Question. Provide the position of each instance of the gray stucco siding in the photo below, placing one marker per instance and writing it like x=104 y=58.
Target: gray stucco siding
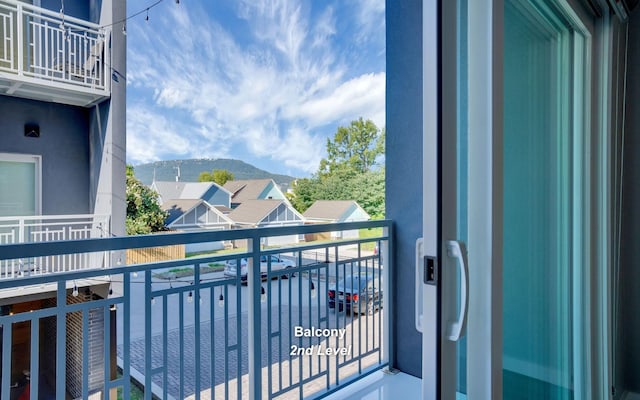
x=403 y=154
x=74 y=8
x=63 y=146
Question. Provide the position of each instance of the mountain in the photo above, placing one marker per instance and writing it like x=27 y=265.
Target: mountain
x=191 y=169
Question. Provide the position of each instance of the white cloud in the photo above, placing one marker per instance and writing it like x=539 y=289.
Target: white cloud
x=154 y=135
x=277 y=91
x=361 y=96
x=370 y=17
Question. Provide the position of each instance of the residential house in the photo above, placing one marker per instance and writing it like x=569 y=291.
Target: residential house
x=62 y=163
x=260 y=203
x=336 y=211
x=253 y=189
x=194 y=206
x=210 y=192
x=267 y=214
x=194 y=215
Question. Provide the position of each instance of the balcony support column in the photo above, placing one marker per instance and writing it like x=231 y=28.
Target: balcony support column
x=254 y=326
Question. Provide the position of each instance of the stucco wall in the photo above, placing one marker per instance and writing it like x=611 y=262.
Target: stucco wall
x=403 y=163
x=63 y=145
x=108 y=134
x=74 y=8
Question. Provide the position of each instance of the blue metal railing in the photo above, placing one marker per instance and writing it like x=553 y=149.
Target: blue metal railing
x=180 y=330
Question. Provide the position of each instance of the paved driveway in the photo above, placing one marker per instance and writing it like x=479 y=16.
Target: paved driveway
x=230 y=361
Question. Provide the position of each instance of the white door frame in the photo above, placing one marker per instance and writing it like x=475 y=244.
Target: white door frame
x=440 y=321
x=485 y=225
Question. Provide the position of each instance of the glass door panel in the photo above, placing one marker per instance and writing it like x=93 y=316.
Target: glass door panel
x=18 y=188
x=542 y=202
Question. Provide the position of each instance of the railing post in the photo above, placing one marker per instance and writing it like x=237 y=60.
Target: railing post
x=387 y=287
x=20 y=39
x=254 y=328
x=12 y=43
x=5 y=372
x=21 y=230
x=106 y=62
x=148 y=394
x=61 y=340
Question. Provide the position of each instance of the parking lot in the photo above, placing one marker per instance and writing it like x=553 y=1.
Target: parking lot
x=222 y=334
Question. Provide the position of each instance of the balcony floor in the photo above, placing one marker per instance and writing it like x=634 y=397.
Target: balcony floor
x=383 y=386
x=46 y=90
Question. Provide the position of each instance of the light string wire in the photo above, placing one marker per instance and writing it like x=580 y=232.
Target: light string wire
x=67 y=30
x=125 y=19
x=120 y=21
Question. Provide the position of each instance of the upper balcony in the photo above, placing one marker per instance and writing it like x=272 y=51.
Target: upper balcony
x=46 y=55
x=48 y=228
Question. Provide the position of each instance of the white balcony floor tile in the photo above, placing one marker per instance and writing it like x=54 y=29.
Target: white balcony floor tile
x=381 y=386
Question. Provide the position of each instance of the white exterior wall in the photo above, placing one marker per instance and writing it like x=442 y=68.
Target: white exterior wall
x=108 y=133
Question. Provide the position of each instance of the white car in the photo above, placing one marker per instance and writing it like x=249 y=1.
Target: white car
x=277 y=263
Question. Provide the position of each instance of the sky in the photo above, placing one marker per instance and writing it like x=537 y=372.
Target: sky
x=262 y=81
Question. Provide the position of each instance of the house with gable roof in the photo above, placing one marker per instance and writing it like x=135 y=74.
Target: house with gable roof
x=267 y=213
x=195 y=206
x=195 y=214
x=335 y=211
x=210 y=192
x=253 y=189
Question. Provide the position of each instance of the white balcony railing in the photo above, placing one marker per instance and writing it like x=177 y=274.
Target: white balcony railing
x=48 y=228
x=49 y=48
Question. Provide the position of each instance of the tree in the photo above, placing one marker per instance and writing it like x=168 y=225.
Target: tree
x=305 y=193
x=144 y=214
x=353 y=148
x=367 y=189
x=219 y=176
x=349 y=172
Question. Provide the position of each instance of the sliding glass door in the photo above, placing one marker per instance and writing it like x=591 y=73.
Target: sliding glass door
x=513 y=117
x=544 y=264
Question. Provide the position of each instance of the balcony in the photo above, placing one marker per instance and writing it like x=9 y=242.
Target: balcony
x=184 y=329
x=47 y=56
x=48 y=228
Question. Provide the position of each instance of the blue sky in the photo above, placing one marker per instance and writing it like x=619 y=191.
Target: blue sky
x=263 y=81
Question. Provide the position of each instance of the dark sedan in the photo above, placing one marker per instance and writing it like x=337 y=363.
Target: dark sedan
x=358 y=293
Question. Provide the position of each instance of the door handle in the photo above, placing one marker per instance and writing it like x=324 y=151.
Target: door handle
x=419 y=279
x=456 y=329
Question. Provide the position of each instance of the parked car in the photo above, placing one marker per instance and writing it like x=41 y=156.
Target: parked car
x=277 y=263
x=359 y=293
